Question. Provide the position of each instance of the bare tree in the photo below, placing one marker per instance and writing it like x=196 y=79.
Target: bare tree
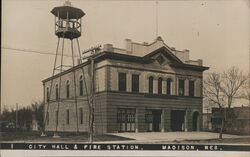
x=245 y=90
x=221 y=89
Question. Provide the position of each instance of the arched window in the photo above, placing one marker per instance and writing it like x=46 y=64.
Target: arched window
x=168 y=86
x=81 y=85
x=160 y=85
x=150 y=84
x=181 y=87
x=57 y=92
x=67 y=89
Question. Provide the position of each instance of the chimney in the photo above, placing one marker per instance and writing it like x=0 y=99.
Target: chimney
x=128 y=45
x=186 y=55
x=108 y=47
x=200 y=61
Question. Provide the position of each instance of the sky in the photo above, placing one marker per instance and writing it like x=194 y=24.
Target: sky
x=215 y=31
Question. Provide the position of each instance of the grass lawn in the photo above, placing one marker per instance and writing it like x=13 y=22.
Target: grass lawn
x=64 y=137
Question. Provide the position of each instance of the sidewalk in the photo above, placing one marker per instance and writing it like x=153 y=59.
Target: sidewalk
x=156 y=137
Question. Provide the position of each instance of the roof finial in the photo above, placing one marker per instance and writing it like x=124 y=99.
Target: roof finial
x=159 y=38
x=67 y=3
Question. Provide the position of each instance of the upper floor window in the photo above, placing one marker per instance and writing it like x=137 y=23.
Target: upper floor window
x=160 y=85
x=122 y=84
x=150 y=84
x=57 y=92
x=47 y=94
x=181 y=87
x=81 y=86
x=168 y=86
x=191 y=88
x=135 y=83
x=67 y=89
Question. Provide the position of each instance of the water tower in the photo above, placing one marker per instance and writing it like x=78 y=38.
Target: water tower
x=68 y=21
x=67 y=27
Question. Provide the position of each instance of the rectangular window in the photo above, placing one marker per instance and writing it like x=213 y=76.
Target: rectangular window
x=67 y=116
x=135 y=83
x=181 y=87
x=122 y=81
x=47 y=94
x=191 y=88
x=160 y=85
x=126 y=119
x=57 y=92
x=81 y=115
x=67 y=89
x=81 y=87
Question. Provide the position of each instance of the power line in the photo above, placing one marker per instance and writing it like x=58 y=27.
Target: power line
x=34 y=51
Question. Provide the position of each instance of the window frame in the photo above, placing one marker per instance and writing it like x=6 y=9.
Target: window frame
x=168 y=84
x=57 y=92
x=160 y=85
x=122 y=81
x=135 y=83
x=179 y=87
x=81 y=86
x=151 y=85
x=191 y=91
x=67 y=89
x=47 y=94
x=126 y=118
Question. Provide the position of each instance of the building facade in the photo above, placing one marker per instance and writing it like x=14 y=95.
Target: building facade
x=143 y=87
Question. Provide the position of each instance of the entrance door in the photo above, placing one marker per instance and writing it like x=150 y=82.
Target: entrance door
x=177 y=120
x=156 y=120
x=195 y=121
x=153 y=119
x=126 y=119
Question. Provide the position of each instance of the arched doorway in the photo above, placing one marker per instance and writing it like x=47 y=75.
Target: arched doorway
x=196 y=121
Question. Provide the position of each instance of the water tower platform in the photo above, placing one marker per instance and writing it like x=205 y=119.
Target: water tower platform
x=68 y=33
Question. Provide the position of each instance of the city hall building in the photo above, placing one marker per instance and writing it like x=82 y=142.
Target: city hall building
x=144 y=87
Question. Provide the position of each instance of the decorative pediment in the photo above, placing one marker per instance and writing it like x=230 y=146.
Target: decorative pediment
x=163 y=56
x=161 y=59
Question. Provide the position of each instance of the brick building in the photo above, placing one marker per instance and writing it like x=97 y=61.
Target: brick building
x=143 y=87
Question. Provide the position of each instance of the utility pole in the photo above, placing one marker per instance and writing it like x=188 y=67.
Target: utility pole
x=92 y=97
x=207 y=119
x=156 y=18
x=16 y=115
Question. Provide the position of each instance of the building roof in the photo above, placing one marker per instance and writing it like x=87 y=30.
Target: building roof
x=135 y=55
x=62 y=11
